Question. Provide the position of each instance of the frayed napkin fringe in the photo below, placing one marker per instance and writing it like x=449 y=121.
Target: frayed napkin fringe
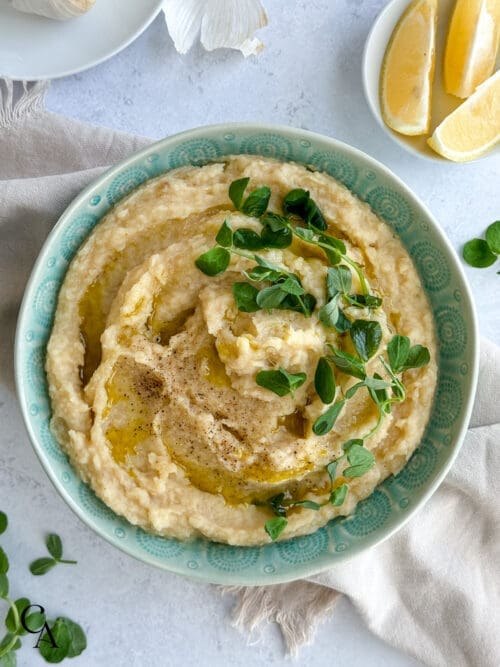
x=19 y=99
x=297 y=608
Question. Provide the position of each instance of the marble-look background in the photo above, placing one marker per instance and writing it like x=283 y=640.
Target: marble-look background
x=308 y=76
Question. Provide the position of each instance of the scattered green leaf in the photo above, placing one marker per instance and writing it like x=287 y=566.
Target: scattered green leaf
x=213 y=262
x=54 y=546
x=477 y=253
x=4 y=562
x=247 y=239
x=329 y=313
x=280 y=381
x=225 y=234
x=42 y=565
x=270 y=297
x=360 y=459
x=397 y=351
x=338 y=279
x=245 y=296
x=348 y=363
x=338 y=495
x=324 y=381
x=237 y=190
x=493 y=237
x=62 y=637
x=325 y=422
x=281 y=238
x=3 y=522
x=274 y=527
x=257 y=202
x=4 y=585
x=366 y=336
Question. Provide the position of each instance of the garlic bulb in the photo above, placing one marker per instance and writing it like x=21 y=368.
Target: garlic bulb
x=54 y=9
x=222 y=23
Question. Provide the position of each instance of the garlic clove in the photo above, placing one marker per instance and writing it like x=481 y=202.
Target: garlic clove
x=223 y=24
x=183 y=18
x=53 y=9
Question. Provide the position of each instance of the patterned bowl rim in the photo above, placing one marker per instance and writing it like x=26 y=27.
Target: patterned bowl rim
x=302 y=569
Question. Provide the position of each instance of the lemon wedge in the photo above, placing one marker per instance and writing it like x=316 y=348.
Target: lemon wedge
x=408 y=70
x=473 y=128
x=471 y=45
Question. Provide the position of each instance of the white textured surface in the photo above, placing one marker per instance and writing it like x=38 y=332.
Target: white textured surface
x=309 y=76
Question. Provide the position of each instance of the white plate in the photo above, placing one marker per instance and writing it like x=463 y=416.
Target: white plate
x=442 y=103
x=34 y=47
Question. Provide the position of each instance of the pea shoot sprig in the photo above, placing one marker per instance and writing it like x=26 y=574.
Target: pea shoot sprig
x=401 y=357
x=68 y=636
x=280 y=289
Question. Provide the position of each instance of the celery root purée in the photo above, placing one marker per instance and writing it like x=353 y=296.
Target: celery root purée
x=242 y=351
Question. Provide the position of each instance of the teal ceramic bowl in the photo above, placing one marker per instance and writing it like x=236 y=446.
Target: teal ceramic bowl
x=393 y=503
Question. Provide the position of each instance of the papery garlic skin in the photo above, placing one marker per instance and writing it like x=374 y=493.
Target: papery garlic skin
x=222 y=23
x=54 y=9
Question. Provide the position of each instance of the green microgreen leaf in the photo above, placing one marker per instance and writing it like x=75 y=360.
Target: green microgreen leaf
x=275 y=222
x=9 y=643
x=324 y=381
x=4 y=585
x=338 y=279
x=54 y=546
x=333 y=243
x=366 y=336
x=4 y=562
x=247 y=239
x=360 y=459
x=304 y=233
x=292 y=285
x=343 y=323
x=397 y=352
x=331 y=469
x=418 y=356
x=477 y=253
x=276 y=239
x=338 y=495
x=295 y=201
x=78 y=640
x=298 y=202
x=314 y=217
x=304 y=304
x=350 y=443
x=261 y=274
x=280 y=381
x=274 y=527
x=364 y=301
x=307 y=504
x=10 y=620
x=245 y=296
x=237 y=190
x=9 y=659
x=379 y=395
x=62 y=638
x=257 y=202
x=276 y=504
x=493 y=237
x=225 y=234
x=213 y=262
x=270 y=297
x=4 y=522
x=348 y=363
x=325 y=422
x=42 y=565
x=329 y=313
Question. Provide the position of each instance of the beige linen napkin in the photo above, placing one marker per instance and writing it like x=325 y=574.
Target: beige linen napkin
x=432 y=589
